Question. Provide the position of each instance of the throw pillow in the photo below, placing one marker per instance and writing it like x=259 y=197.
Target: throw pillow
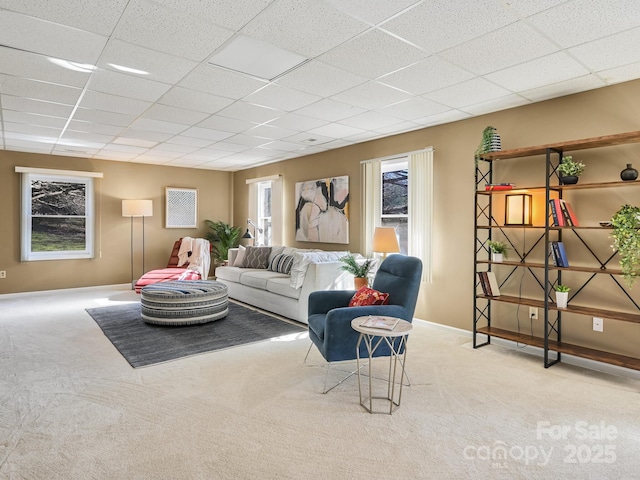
x=368 y=296
x=281 y=263
x=256 y=257
x=237 y=262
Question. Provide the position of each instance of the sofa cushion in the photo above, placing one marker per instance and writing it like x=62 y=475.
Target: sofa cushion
x=232 y=274
x=368 y=296
x=256 y=257
x=258 y=278
x=301 y=261
x=281 y=264
x=275 y=250
x=281 y=286
x=237 y=261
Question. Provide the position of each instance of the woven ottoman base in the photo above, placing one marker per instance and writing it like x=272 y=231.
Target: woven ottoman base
x=184 y=302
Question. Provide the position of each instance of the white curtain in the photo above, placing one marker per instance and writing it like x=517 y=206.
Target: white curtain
x=371 y=175
x=421 y=209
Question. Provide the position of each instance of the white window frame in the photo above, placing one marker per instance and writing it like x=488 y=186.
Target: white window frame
x=274 y=235
x=30 y=175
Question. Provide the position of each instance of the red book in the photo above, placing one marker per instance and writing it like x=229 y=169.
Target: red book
x=498 y=187
x=558 y=209
x=572 y=215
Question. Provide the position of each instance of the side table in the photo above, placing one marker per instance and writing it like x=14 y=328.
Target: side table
x=396 y=340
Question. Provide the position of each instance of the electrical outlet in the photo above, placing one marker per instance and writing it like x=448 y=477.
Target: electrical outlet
x=598 y=324
x=533 y=313
x=3 y=274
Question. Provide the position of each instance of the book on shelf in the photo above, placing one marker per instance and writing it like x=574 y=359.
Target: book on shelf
x=559 y=254
x=384 y=323
x=556 y=212
x=493 y=284
x=498 y=186
x=552 y=255
x=484 y=283
x=570 y=214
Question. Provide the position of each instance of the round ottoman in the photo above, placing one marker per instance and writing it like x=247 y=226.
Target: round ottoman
x=184 y=302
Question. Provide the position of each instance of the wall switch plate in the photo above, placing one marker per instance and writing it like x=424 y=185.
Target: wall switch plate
x=533 y=313
x=598 y=324
x=3 y=274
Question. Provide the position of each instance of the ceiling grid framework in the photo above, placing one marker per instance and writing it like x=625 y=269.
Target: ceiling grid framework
x=368 y=69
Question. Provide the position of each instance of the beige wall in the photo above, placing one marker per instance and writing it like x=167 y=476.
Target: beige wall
x=449 y=298
x=121 y=180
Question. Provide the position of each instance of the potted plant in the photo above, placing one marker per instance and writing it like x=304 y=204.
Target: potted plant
x=626 y=241
x=562 y=295
x=490 y=142
x=358 y=268
x=569 y=170
x=498 y=250
x=222 y=237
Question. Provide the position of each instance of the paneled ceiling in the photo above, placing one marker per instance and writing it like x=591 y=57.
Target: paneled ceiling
x=365 y=69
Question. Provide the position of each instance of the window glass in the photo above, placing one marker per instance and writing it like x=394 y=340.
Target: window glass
x=264 y=214
x=395 y=200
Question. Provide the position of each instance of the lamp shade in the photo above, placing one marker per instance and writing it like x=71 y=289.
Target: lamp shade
x=518 y=209
x=247 y=234
x=385 y=240
x=137 y=208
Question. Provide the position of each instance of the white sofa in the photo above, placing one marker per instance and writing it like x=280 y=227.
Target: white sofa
x=283 y=294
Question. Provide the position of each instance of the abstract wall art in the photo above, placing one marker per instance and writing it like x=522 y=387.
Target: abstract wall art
x=322 y=210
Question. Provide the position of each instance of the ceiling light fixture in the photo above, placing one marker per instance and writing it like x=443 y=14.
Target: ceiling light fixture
x=75 y=66
x=128 y=69
x=256 y=58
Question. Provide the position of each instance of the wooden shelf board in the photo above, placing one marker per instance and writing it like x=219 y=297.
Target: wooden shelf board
x=584 y=144
x=608 y=271
x=563 y=347
x=588 y=311
x=577 y=186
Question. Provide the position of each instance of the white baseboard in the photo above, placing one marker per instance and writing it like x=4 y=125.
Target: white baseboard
x=539 y=352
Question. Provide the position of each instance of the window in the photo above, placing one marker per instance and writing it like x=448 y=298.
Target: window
x=57 y=217
x=395 y=200
x=264 y=214
x=265 y=209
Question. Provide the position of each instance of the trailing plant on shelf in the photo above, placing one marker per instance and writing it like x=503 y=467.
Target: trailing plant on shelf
x=498 y=247
x=222 y=237
x=490 y=142
x=626 y=241
x=569 y=168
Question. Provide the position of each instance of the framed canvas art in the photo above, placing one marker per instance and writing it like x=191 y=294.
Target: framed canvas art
x=181 y=207
x=322 y=210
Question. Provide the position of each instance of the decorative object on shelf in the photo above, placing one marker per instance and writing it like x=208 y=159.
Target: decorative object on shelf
x=629 y=173
x=626 y=241
x=499 y=186
x=517 y=209
x=498 y=250
x=562 y=296
x=222 y=237
x=359 y=269
x=490 y=142
x=569 y=170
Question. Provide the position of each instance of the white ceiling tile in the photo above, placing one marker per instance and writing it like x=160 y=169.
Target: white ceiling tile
x=467 y=93
x=94 y=127
x=32 y=119
x=115 y=156
x=158 y=126
x=397 y=128
x=307 y=27
x=527 y=8
x=9 y=102
x=414 y=108
x=371 y=11
x=371 y=95
x=184 y=162
x=568 y=25
x=25 y=137
x=135 y=142
x=37 y=67
x=48 y=38
x=92 y=16
x=176 y=148
x=129 y=149
x=99 y=116
x=227 y=147
x=113 y=103
x=74 y=151
x=207 y=154
x=373 y=54
x=127 y=85
x=320 y=79
x=440 y=118
x=189 y=141
x=164 y=153
x=587 y=82
x=370 y=121
x=159 y=28
x=282 y=146
x=206 y=133
x=217 y=81
x=610 y=52
x=281 y=98
x=86 y=137
x=152 y=135
x=174 y=115
x=151 y=159
x=247 y=140
x=440 y=24
x=307 y=139
x=27 y=146
x=193 y=100
x=293 y=121
x=553 y=68
x=269 y=131
x=226 y=124
x=227 y=13
x=249 y=112
x=496 y=104
x=336 y=130
x=508 y=46
x=32 y=129
x=160 y=66
x=330 y=110
x=428 y=75
x=621 y=74
x=39 y=90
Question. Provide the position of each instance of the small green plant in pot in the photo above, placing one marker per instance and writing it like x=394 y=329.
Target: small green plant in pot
x=569 y=170
x=626 y=241
x=498 y=250
x=562 y=295
x=358 y=268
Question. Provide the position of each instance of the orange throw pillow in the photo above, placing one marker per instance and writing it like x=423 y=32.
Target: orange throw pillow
x=368 y=296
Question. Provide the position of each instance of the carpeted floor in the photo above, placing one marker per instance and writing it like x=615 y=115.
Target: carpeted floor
x=71 y=407
x=145 y=344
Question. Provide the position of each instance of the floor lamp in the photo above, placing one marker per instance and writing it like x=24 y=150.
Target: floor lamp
x=137 y=208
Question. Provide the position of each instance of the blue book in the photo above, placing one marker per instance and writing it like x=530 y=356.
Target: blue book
x=562 y=255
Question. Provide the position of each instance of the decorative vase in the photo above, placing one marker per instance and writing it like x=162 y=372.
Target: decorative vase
x=561 y=299
x=359 y=282
x=496 y=257
x=569 y=180
x=629 y=173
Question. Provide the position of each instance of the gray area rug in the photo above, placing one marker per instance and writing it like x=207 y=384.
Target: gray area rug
x=143 y=344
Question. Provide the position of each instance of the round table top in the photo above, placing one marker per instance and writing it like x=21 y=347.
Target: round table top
x=402 y=327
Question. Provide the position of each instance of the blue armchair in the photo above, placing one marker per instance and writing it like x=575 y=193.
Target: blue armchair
x=330 y=316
